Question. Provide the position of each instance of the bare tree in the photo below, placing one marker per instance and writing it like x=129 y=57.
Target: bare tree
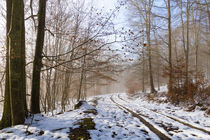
x=35 y=92
x=17 y=73
x=6 y=119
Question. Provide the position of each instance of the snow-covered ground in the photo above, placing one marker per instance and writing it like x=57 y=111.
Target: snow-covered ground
x=196 y=117
x=111 y=123
x=170 y=119
x=114 y=123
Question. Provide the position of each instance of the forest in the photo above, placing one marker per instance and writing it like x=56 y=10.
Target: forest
x=73 y=56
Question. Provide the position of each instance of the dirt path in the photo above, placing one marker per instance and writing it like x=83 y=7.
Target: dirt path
x=173 y=118
x=150 y=126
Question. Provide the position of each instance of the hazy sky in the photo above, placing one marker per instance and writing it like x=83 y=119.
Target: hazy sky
x=105 y=5
x=2 y=23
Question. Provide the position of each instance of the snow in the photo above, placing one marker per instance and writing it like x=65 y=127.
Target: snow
x=113 y=122
x=53 y=127
x=86 y=106
x=157 y=115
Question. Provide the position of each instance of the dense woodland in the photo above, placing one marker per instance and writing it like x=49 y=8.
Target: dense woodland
x=173 y=50
x=55 y=53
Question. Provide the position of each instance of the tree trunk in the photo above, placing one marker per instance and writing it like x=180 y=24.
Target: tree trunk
x=158 y=67
x=81 y=81
x=48 y=91
x=23 y=56
x=143 y=69
x=6 y=118
x=187 y=51
x=208 y=41
x=143 y=72
x=85 y=85
x=148 y=29
x=169 y=49
x=16 y=73
x=67 y=85
x=196 y=40
x=185 y=48
x=37 y=65
x=54 y=89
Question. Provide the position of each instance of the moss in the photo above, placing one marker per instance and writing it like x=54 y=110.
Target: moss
x=82 y=133
x=87 y=123
x=79 y=134
x=93 y=111
x=79 y=104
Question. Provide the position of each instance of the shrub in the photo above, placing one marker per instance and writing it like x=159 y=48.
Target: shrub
x=197 y=91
